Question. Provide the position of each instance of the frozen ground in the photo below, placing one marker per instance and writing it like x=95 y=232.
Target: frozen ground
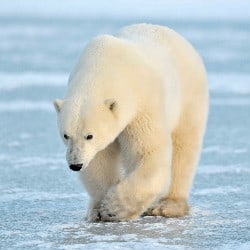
x=42 y=203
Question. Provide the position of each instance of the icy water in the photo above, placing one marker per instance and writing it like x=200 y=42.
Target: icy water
x=42 y=203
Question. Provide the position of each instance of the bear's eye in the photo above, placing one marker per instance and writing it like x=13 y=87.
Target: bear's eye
x=88 y=137
x=66 y=137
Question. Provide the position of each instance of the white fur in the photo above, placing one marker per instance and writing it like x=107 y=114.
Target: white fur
x=143 y=96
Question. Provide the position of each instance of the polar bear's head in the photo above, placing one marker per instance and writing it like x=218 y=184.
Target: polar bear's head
x=86 y=131
x=101 y=98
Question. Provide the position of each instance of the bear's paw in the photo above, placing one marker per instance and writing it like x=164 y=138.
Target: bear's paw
x=169 y=208
x=93 y=215
x=115 y=207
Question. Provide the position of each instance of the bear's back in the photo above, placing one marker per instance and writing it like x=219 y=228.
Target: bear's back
x=165 y=40
x=176 y=60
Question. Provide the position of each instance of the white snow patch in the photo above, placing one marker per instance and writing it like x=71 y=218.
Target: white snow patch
x=37 y=161
x=235 y=246
x=4 y=157
x=230 y=101
x=26 y=105
x=13 y=144
x=220 y=190
x=240 y=150
x=32 y=196
x=229 y=83
x=223 y=150
x=32 y=79
x=219 y=169
x=25 y=136
x=224 y=222
x=35 y=244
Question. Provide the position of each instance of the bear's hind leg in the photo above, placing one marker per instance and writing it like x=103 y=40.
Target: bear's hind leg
x=186 y=151
x=102 y=173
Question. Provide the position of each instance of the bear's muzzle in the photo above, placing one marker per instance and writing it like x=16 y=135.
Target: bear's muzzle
x=75 y=167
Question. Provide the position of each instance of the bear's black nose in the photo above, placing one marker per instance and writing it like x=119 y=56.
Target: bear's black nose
x=75 y=167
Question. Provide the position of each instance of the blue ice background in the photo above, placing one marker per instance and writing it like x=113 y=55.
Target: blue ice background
x=42 y=204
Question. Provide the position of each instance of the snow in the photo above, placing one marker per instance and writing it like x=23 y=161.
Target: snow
x=42 y=203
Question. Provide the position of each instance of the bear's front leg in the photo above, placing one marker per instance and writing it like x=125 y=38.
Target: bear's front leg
x=102 y=173
x=146 y=184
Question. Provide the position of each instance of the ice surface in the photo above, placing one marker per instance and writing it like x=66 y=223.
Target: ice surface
x=42 y=203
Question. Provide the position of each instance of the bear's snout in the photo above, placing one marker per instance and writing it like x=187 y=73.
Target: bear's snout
x=75 y=167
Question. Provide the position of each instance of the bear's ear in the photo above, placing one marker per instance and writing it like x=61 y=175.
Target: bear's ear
x=58 y=104
x=111 y=104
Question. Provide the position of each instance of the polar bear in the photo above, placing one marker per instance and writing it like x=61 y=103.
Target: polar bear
x=133 y=121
